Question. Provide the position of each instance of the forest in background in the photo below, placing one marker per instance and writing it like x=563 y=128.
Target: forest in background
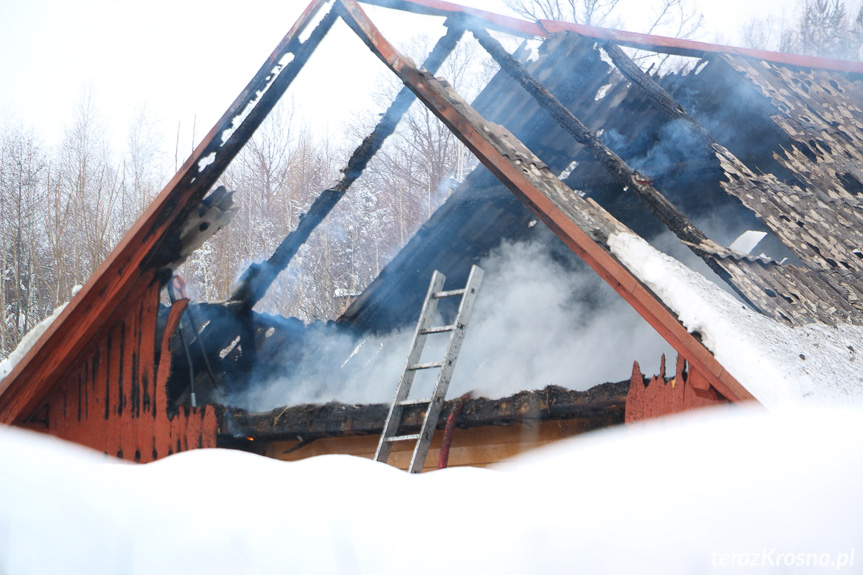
x=63 y=208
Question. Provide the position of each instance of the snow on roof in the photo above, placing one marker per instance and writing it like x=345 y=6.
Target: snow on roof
x=780 y=365
x=687 y=495
x=28 y=341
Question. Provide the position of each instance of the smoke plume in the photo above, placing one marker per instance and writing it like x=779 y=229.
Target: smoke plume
x=540 y=319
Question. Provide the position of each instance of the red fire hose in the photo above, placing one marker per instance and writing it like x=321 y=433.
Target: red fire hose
x=446 y=442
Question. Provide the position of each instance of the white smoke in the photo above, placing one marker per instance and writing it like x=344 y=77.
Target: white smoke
x=536 y=323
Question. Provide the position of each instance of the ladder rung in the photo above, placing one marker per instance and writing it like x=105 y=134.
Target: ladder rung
x=440 y=329
x=420 y=366
x=407 y=402
x=450 y=293
x=412 y=437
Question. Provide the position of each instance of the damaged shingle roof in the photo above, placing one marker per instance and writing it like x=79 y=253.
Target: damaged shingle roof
x=752 y=143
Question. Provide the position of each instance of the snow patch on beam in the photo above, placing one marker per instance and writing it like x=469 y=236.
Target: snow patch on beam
x=747 y=241
x=28 y=341
x=780 y=365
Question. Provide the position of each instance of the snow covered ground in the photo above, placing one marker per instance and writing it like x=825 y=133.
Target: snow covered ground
x=779 y=365
x=715 y=492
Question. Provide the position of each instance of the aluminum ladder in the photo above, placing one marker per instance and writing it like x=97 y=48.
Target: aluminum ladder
x=446 y=367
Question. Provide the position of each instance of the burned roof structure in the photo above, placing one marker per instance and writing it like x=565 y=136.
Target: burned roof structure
x=580 y=138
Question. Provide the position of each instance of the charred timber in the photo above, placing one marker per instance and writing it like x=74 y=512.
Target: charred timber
x=604 y=402
x=656 y=93
x=259 y=101
x=625 y=175
x=796 y=295
x=630 y=179
x=259 y=277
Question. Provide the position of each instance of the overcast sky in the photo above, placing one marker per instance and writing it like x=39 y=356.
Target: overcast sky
x=187 y=60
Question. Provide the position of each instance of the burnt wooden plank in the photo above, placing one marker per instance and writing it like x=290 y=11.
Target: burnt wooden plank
x=258 y=277
x=820 y=217
x=627 y=177
x=334 y=419
x=756 y=279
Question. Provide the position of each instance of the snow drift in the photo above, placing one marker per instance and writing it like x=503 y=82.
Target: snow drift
x=780 y=365
x=698 y=493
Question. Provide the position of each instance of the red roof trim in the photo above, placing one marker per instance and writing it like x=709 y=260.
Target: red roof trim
x=663 y=44
x=442 y=8
x=694 y=48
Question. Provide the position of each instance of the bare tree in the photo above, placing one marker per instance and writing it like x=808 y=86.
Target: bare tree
x=590 y=12
x=143 y=169
x=22 y=172
x=825 y=29
x=84 y=220
x=677 y=18
x=758 y=34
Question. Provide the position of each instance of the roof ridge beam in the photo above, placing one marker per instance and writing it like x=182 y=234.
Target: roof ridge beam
x=499 y=22
x=651 y=42
x=697 y=49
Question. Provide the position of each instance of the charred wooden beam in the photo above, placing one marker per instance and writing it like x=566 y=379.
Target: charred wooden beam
x=767 y=197
x=640 y=184
x=655 y=93
x=604 y=401
x=258 y=277
x=226 y=139
x=625 y=175
x=581 y=224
